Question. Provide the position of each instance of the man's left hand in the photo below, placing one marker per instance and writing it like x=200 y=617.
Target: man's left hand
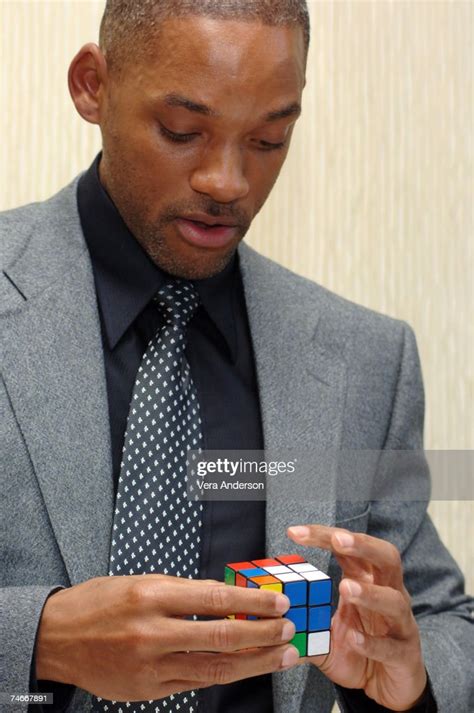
x=375 y=641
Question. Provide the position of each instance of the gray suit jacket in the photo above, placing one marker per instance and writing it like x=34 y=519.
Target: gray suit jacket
x=330 y=374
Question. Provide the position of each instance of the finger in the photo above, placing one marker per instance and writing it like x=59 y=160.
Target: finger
x=354 y=568
x=388 y=602
x=380 y=648
x=218 y=669
x=348 y=615
x=351 y=566
x=381 y=554
x=359 y=617
x=222 y=635
x=179 y=596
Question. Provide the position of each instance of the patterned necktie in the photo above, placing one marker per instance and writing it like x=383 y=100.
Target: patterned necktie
x=156 y=528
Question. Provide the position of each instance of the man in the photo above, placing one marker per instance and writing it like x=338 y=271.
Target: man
x=137 y=268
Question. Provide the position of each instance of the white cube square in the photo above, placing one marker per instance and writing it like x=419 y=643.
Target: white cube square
x=293 y=577
x=318 y=643
x=314 y=576
x=277 y=570
x=303 y=567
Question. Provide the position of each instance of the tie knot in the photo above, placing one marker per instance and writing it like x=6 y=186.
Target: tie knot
x=178 y=300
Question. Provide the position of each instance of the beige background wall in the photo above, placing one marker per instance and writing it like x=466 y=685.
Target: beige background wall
x=375 y=201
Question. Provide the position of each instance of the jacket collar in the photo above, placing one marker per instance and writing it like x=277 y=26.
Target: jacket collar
x=127 y=279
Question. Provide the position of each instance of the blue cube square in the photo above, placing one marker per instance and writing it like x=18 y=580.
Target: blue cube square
x=319 y=618
x=299 y=616
x=297 y=593
x=320 y=592
x=256 y=572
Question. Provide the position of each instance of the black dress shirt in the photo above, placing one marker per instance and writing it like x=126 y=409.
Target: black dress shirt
x=220 y=354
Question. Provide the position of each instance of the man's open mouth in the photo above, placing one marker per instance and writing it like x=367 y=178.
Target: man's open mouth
x=206 y=235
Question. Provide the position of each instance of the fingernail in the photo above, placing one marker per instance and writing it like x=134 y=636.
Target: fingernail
x=290 y=657
x=282 y=604
x=288 y=631
x=358 y=637
x=299 y=531
x=344 y=539
x=354 y=588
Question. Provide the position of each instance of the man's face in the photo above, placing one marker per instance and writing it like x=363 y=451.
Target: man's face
x=193 y=136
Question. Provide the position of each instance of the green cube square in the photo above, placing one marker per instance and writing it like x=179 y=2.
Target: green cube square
x=229 y=576
x=300 y=641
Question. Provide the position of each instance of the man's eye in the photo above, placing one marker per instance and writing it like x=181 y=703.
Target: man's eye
x=186 y=138
x=267 y=146
x=177 y=138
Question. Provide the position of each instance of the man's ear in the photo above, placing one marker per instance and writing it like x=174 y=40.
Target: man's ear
x=87 y=77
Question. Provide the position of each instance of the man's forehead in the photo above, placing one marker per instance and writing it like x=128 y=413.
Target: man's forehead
x=197 y=67
x=201 y=42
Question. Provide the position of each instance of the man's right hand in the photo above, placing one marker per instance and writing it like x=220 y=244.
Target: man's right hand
x=126 y=638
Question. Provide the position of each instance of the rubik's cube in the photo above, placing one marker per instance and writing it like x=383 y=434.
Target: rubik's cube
x=308 y=589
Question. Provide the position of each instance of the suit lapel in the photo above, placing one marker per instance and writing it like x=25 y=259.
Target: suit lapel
x=56 y=383
x=301 y=376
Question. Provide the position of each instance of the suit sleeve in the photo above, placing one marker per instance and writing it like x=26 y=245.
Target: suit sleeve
x=443 y=610
x=62 y=692
x=21 y=609
x=355 y=701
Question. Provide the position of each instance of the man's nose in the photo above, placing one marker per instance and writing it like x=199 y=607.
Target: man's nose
x=221 y=175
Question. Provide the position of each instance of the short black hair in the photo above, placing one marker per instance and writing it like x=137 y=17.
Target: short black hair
x=129 y=26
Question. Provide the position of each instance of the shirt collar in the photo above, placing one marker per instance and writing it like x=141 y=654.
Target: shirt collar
x=127 y=278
